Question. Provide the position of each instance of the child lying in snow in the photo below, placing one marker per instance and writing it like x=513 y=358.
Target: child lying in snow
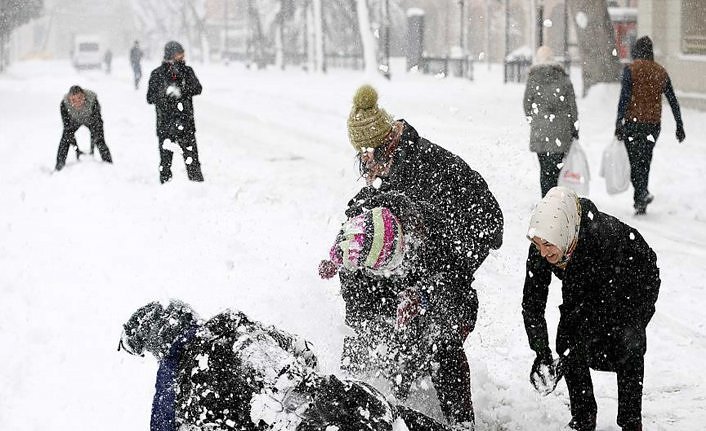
x=234 y=373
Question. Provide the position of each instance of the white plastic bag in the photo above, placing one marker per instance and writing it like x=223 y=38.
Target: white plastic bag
x=615 y=167
x=574 y=173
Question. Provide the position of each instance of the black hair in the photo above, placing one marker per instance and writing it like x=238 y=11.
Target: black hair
x=642 y=50
x=75 y=89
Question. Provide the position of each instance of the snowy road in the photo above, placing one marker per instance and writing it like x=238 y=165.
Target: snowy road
x=81 y=249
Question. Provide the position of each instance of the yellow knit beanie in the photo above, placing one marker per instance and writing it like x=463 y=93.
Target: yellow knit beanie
x=368 y=124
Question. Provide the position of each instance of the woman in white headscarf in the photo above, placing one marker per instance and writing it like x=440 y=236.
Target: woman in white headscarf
x=610 y=283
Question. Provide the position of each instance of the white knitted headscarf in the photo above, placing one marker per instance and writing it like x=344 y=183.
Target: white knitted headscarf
x=557 y=218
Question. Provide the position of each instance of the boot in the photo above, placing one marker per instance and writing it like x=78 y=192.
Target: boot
x=633 y=427
x=578 y=424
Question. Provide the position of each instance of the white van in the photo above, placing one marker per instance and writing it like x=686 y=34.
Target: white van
x=87 y=52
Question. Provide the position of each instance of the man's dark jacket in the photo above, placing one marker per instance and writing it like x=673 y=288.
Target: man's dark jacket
x=609 y=286
x=463 y=219
x=425 y=172
x=175 y=115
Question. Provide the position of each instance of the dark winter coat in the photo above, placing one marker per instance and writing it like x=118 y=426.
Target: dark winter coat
x=550 y=103
x=175 y=115
x=426 y=172
x=609 y=288
x=135 y=56
x=447 y=294
x=215 y=374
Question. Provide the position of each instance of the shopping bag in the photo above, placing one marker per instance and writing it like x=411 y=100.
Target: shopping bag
x=615 y=167
x=574 y=173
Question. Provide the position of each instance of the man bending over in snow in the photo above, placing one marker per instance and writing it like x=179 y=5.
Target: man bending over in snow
x=80 y=107
x=234 y=373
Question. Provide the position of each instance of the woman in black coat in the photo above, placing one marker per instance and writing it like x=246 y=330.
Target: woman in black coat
x=610 y=283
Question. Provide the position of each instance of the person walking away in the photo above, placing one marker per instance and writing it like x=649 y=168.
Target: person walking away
x=108 y=59
x=136 y=63
x=610 y=283
x=639 y=119
x=171 y=88
x=80 y=107
x=550 y=108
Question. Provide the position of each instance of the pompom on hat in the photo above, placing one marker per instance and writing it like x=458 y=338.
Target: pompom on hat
x=368 y=124
x=373 y=240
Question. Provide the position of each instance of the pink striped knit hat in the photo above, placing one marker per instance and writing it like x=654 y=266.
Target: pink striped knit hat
x=373 y=240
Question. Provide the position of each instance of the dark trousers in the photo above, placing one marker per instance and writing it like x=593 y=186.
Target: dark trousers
x=621 y=352
x=640 y=141
x=68 y=138
x=549 y=168
x=137 y=72
x=452 y=382
x=190 y=152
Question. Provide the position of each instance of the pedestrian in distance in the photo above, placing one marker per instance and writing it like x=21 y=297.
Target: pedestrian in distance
x=233 y=373
x=171 y=88
x=550 y=108
x=610 y=283
x=639 y=119
x=80 y=107
x=108 y=60
x=136 y=63
x=393 y=158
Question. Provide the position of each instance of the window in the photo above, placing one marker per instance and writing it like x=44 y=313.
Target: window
x=693 y=27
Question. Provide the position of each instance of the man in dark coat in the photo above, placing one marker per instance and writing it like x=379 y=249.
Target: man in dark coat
x=171 y=88
x=136 y=63
x=231 y=372
x=80 y=107
x=394 y=158
x=610 y=283
x=639 y=119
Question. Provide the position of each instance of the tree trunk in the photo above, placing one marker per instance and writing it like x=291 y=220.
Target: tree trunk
x=596 y=42
x=366 y=36
x=318 y=35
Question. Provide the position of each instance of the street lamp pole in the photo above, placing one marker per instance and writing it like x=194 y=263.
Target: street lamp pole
x=225 y=29
x=461 y=4
x=540 y=23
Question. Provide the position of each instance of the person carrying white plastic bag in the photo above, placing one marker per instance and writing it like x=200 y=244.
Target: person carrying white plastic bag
x=615 y=167
x=575 y=173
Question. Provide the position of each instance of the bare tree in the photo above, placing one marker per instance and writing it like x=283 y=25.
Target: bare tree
x=596 y=42
x=14 y=13
x=367 y=38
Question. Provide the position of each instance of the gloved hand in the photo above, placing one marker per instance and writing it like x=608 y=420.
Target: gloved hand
x=620 y=132
x=327 y=269
x=680 y=133
x=174 y=91
x=410 y=306
x=545 y=374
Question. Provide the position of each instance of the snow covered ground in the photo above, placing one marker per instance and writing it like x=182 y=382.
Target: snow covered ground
x=80 y=250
